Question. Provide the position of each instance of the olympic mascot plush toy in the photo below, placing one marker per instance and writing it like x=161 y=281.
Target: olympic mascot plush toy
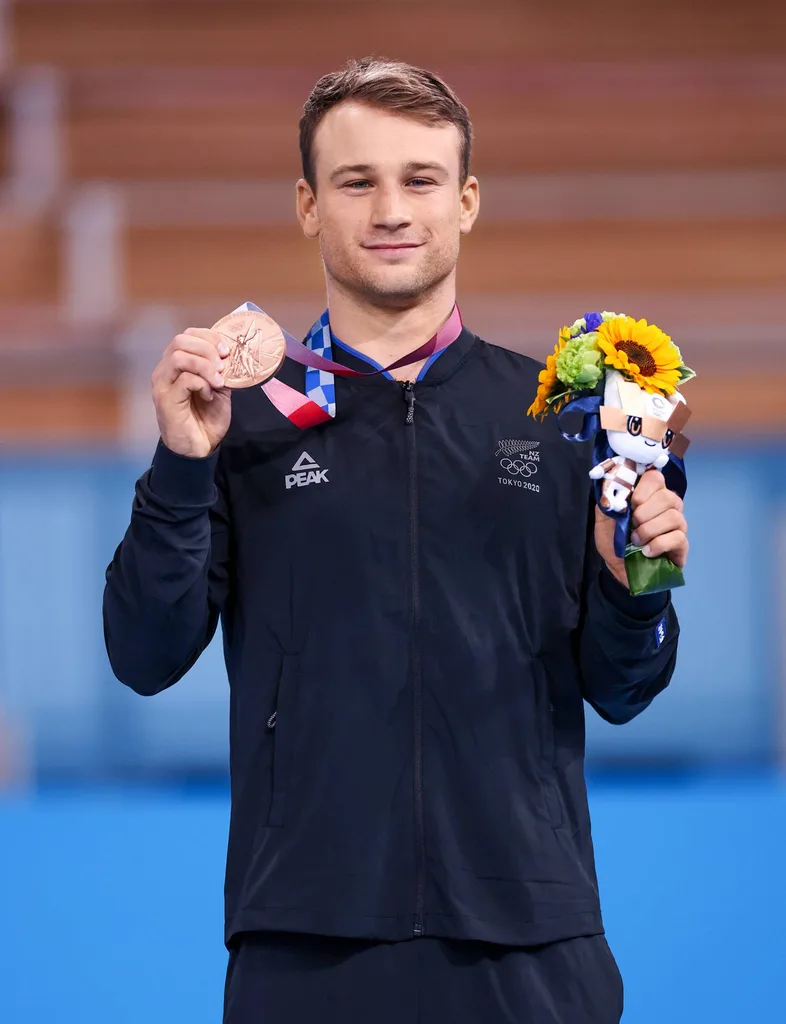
x=621 y=376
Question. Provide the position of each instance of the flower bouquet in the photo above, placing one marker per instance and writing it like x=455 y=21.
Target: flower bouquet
x=621 y=376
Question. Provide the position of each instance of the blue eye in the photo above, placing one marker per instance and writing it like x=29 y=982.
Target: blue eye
x=634 y=425
x=668 y=437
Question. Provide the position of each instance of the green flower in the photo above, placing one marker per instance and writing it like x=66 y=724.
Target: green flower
x=577 y=363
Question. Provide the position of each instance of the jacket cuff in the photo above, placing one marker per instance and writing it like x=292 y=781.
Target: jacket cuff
x=180 y=480
x=642 y=608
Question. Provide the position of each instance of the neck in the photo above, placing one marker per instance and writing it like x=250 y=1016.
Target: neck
x=385 y=333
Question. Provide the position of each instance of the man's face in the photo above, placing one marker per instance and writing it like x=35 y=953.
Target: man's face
x=389 y=208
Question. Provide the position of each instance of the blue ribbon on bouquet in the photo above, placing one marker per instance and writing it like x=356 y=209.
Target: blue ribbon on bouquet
x=588 y=408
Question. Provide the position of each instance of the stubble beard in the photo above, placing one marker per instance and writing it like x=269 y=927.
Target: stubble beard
x=386 y=290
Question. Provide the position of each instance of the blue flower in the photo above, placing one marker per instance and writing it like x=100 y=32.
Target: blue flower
x=594 y=320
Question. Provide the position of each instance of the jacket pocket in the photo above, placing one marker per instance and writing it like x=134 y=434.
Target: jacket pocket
x=283 y=725
x=552 y=797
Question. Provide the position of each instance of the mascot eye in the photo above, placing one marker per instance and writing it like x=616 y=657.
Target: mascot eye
x=634 y=425
x=668 y=437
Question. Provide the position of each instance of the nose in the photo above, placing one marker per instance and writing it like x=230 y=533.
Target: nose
x=391 y=209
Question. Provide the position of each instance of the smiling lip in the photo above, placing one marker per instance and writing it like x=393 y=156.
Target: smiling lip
x=393 y=246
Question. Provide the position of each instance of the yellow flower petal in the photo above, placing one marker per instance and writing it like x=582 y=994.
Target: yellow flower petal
x=642 y=352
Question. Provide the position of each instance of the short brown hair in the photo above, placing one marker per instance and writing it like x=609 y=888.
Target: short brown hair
x=389 y=85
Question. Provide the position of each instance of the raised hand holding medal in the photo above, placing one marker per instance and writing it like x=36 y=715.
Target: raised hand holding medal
x=192 y=384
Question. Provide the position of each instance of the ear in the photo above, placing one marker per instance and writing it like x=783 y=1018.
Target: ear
x=470 y=204
x=306 y=206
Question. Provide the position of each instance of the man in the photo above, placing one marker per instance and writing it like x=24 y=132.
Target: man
x=408 y=638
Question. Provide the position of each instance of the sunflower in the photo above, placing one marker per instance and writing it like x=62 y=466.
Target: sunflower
x=548 y=380
x=642 y=353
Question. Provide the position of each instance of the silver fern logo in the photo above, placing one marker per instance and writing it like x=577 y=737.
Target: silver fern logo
x=520 y=460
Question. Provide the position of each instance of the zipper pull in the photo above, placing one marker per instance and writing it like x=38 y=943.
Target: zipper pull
x=409 y=398
x=271 y=722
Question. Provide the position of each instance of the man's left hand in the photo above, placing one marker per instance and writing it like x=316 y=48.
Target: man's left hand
x=659 y=525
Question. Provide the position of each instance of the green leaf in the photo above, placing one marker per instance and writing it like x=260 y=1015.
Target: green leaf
x=650 y=575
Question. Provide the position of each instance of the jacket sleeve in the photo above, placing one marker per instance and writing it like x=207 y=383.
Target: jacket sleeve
x=167 y=582
x=627 y=645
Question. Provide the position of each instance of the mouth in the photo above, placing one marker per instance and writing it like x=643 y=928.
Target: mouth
x=650 y=444
x=394 y=248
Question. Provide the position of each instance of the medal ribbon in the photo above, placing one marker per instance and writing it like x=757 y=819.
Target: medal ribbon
x=318 y=404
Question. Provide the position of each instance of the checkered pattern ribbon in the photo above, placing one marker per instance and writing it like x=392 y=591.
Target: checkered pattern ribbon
x=321 y=384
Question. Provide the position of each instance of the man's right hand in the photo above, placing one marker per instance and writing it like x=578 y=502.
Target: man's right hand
x=193 y=407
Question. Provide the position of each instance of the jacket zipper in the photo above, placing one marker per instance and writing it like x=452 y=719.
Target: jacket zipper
x=417 y=684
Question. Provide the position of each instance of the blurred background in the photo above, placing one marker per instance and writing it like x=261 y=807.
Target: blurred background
x=632 y=157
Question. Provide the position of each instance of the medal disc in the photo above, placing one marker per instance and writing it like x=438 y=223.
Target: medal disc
x=257 y=348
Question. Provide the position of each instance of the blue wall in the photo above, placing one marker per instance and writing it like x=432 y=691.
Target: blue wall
x=59 y=524
x=111 y=904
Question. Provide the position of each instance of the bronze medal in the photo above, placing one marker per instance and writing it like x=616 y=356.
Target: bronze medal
x=257 y=348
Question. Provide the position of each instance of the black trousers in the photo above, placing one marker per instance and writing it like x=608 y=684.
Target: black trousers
x=276 y=978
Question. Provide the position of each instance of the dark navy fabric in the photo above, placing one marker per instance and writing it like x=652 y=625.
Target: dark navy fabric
x=410 y=631
x=297 y=979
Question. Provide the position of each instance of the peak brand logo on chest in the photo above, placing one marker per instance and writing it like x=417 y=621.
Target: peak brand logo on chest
x=520 y=461
x=305 y=472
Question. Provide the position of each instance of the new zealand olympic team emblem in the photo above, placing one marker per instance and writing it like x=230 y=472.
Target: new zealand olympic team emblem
x=519 y=458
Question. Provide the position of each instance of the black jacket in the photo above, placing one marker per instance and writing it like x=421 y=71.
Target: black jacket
x=412 y=614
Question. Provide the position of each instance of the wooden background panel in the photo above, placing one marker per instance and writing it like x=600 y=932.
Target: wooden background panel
x=61 y=414
x=4 y=128
x=323 y=34
x=182 y=145
x=186 y=263
x=29 y=261
x=734 y=405
x=676 y=255
x=261 y=138
x=617 y=134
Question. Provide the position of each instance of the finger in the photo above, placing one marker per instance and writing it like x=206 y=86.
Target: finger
x=666 y=522
x=165 y=373
x=214 y=339
x=650 y=482
x=674 y=544
x=661 y=501
x=188 y=384
x=187 y=362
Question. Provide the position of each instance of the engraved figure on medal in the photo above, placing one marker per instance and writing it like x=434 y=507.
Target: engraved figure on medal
x=257 y=348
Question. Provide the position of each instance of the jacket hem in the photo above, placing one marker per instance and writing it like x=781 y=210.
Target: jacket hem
x=396 y=929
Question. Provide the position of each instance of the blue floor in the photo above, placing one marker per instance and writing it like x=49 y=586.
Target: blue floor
x=111 y=903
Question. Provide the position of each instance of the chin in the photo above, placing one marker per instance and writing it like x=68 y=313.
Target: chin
x=393 y=286
x=405 y=287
